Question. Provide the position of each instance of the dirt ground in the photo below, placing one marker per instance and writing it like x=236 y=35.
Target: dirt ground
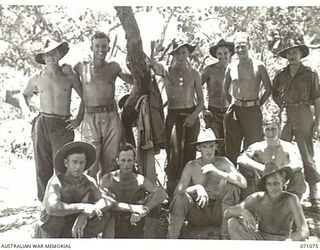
x=19 y=208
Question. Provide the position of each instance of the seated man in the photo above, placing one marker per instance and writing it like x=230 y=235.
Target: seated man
x=272 y=149
x=125 y=189
x=270 y=214
x=207 y=187
x=71 y=197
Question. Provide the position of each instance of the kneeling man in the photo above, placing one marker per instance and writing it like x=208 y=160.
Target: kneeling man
x=73 y=204
x=270 y=214
x=207 y=187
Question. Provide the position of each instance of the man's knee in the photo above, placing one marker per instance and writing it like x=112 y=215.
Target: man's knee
x=234 y=226
x=180 y=203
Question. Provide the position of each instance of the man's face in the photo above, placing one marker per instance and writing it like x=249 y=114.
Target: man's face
x=75 y=164
x=100 y=48
x=223 y=55
x=294 y=56
x=242 y=49
x=274 y=185
x=181 y=55
x=52 y=57
x=271 y=132
x=126 y=161
x=207 y=150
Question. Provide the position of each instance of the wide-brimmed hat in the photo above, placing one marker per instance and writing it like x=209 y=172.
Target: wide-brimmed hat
x=293 y=43
x=207 y=135
x=270 y=169
x=222 y=43
x=51 y=45
x=89 y=149
x=179 y=44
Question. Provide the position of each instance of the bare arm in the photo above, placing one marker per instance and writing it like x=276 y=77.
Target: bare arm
x=241 y=211
x=246 y=160
x=126 y=77
x=111 y=199
x=302 y=230
x=76 y=84
x=26 y=94
x=295 y=162
x=266 y=83
x=227 y=84
x=54 y=206
x=159 y=195
x=230 y=174
x=190 y=120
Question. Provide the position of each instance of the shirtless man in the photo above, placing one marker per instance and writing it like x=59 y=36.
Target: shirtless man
x=270 y=214
x=244 y=118
x=52 y=128
x=101 y=123
x=183 y=86
x=213 y=76
x=207 y=187
x=73 y=205
x=272 y=149
x=125 y=190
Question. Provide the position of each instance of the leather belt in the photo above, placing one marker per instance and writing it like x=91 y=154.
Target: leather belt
x=101 y=109
x=54 y=116
x=297 y=104
x=246 y=103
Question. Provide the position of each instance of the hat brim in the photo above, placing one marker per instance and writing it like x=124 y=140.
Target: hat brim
x=304 y=49
x=262 y=181
x=89 y=149
x=213 y=49
x=190 y=48
x=199 y=142
x=63 y=47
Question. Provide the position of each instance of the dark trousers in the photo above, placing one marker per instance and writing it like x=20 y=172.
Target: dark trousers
x=217 y=125
x=298 y=122
x=48 y=136
x=242 y=123
x=176 y=157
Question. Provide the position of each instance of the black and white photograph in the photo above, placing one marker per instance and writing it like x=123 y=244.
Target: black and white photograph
x=159 y=121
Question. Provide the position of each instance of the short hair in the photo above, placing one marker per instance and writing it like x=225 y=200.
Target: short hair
x=100 y=34
x=127 y=147
x=79 y=150
x=242 y=36
x=270 y=119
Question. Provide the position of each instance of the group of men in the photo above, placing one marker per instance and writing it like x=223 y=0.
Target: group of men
x=266 y=176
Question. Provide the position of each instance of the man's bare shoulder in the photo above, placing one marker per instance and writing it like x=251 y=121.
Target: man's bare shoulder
x=223 y=163
x=258 y=146
x=108 y=178
x=211 y=67
x=114 y=66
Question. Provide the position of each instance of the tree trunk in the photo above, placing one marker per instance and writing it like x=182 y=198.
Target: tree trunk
x=135 y=55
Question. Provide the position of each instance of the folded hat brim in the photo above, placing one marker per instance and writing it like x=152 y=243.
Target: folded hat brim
x=62 y=47
x=89 y=149
x=190 y=48
x=213 y=49
x=304 y=49
x=262 y=181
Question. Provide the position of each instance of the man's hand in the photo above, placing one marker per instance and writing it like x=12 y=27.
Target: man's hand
x=202 y=199
x=67 y=69
x=91 y=210
x=140 y=210
x=135 y=218
x=79 y=226
x=73 y=124
x=190 y=120
x=316 y=129
x=249 y=220
x=209 y=168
